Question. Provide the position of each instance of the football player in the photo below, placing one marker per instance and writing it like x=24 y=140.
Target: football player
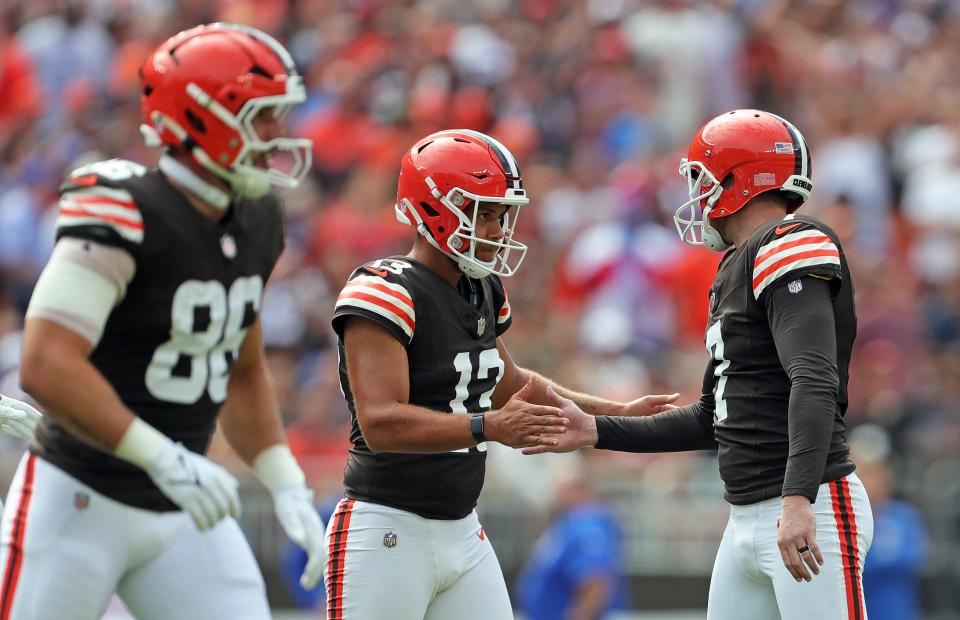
x=142 y=329
x=429 y=381
x=780 y=331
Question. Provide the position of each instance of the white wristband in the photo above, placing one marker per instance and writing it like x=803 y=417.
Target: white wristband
x=141 y=444
x=275 y=467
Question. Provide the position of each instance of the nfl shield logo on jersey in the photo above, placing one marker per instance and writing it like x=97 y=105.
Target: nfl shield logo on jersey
x=229 y=246
x=795 y=287
x=389 y=540
x=481 y=325
x=81 y=500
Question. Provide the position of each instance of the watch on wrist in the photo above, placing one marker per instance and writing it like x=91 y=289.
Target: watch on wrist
x=476 y=428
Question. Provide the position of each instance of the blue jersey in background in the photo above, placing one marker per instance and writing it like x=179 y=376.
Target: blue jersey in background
x=580 y=544
x=892 y=569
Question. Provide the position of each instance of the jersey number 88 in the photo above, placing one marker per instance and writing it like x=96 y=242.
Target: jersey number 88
x=206 y=350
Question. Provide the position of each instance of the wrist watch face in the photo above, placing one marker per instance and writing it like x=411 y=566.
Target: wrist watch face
x=476 y=427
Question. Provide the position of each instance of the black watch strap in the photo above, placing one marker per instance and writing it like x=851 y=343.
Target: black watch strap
x=476 y=428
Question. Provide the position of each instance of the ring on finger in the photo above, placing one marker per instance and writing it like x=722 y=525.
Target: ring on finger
x=803 y=549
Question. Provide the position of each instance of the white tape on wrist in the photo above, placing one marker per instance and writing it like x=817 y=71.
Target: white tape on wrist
x=276 y=468
x=141 y=444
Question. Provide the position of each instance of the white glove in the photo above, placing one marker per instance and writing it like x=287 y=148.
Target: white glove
x=18 y=418
x=196 y=484
x=191 y=481
x=298 y=516
x=276 y=468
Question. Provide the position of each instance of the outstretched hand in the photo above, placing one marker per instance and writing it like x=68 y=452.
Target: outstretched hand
x=581 y=427
x=520 y=423
x=649 y=405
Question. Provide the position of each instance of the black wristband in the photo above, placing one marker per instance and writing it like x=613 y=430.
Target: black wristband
x=476 y=428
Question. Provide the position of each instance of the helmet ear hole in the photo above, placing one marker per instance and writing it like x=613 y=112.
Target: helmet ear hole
x=727 y=181
x=429 y=209
x=258 y=70
x=195 y=121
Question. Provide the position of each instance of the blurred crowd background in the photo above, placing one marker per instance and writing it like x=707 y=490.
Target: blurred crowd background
x=597 y=99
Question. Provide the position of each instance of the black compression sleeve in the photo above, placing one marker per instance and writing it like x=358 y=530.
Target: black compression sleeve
x=677 y=430
x=803 y=329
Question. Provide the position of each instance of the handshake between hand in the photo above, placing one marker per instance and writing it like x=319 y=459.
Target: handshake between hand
x=521 y=423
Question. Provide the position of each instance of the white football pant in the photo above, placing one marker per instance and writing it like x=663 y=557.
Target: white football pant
x=388 y=563
x=750 y=581
x=66 y=549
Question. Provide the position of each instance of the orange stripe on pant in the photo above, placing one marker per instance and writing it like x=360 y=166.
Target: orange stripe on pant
x=849 y=551
x=336 y=561
x=11 y=572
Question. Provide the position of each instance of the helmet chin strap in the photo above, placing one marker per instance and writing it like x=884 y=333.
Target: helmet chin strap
x=214 y=196
x=471 y=270
x=248 y=186
x=711 y=236
x=467 y=267
x=208 y=193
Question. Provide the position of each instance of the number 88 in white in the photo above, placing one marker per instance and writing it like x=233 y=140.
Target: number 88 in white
x=207 y=350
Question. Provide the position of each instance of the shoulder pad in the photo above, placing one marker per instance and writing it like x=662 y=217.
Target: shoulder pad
x=389 y=268
x=95 y=204
x=792 y=249
x=112 y=172
x=382 y=295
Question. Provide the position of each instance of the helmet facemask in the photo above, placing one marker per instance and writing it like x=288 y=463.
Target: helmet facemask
x=465 y=245
x=247 y=178
x=462 y=244
x=692 y=218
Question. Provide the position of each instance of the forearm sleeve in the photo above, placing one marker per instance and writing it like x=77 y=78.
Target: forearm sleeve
x=678 y=430
x=803 y=329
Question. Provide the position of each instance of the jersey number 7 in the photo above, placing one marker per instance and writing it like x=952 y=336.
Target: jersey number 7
x=715 y=349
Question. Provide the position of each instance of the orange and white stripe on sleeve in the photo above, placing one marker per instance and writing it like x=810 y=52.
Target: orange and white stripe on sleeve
x=386 y=299
x=504 y=315
x=795 y=250
x=102 y=206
